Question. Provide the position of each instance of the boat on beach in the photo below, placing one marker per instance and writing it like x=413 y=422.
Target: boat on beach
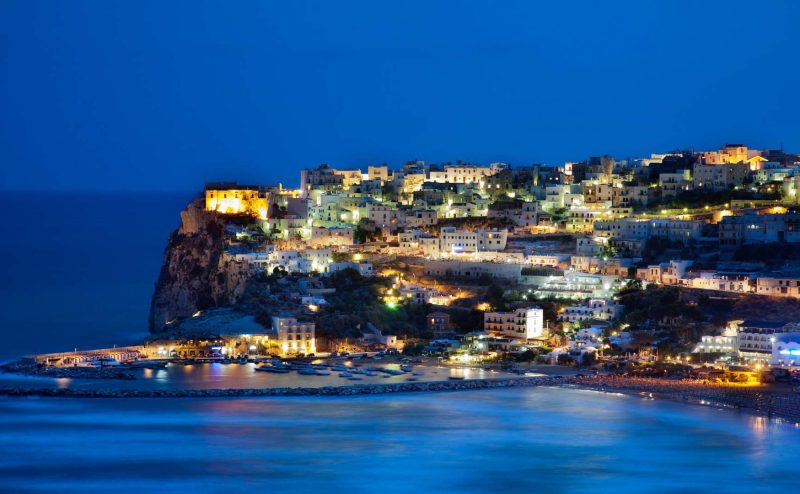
x=148 y=364
x=276 y=369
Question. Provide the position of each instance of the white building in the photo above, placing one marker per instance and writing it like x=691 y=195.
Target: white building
x=756 y=339
x=783 y=285
x=302 y=261
x=666 y=273
x=384 y=215
x=452 y=241
x=525 y=323
x=363 y=268
x=462 y=174
x=417 y=218
x=294 y=336
x=786 y=350
x=675 y=183
x=752 y=228
x=632 y=228
x=470 y=269
x=716 y=344
x=594 y=309
x=322 y=236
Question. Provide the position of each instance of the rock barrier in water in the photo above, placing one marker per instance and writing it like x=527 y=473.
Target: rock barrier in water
x=348 y=390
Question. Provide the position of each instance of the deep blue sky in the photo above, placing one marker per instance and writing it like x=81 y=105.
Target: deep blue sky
x=166 y=95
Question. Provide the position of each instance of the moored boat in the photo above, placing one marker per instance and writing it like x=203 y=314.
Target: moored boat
x=273 y=368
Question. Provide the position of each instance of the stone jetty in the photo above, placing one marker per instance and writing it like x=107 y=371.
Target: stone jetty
x=769 y=400
x=348 y=390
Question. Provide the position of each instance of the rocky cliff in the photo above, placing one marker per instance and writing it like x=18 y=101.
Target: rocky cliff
x=196 y=273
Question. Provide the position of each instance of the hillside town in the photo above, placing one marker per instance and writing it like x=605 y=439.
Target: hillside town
x=687 y=256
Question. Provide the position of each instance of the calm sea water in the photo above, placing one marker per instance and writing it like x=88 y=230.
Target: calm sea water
x=520 y=440
x=78 y=269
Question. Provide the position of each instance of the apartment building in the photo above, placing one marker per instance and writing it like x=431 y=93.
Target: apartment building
x=294 y=336
x=524 y=323
x=753 y=228
x=594 y=309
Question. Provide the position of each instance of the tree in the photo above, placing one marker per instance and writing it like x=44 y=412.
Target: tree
x=564 y=359
x=494 y=295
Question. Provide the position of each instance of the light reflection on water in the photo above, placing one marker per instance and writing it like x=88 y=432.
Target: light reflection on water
x=238 y=376
x=513 y=440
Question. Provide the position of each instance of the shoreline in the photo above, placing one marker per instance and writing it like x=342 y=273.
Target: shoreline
x=759 y=400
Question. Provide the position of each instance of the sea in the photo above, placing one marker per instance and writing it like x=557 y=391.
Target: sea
x=78 y=271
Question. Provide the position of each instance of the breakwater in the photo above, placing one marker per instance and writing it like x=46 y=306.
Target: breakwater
x=29 y=367
x=768 y=400
x=347 y=390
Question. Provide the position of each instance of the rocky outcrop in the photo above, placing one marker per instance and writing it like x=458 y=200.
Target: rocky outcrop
x=196 y=273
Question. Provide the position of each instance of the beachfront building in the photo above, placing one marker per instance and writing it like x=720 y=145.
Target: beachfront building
x=756 y=339
x=525 y=323
x=439 y=324
x=786 y=350
x=294 y=336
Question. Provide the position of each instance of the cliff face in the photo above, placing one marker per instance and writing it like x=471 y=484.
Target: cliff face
x=196 y=273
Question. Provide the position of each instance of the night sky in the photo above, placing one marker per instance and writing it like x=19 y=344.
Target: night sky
x=166 y=95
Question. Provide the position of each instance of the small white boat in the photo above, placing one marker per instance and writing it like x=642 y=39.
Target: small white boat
x=323 y=373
